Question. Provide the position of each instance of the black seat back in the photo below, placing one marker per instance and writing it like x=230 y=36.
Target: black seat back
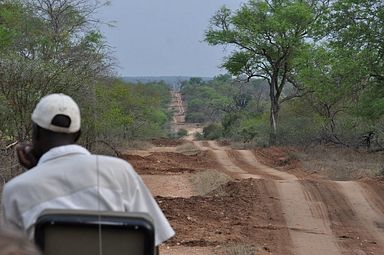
x=79 y=232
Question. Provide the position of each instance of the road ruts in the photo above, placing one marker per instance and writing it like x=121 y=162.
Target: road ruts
x=306 y=219
x=353 y=236
x=323 y=217
x=221 y=156
x=368 y=212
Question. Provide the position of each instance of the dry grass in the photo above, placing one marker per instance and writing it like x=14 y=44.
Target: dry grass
x=239 y=249
x=9 y=166
x=188 y=149
x=206 y=181
x=341 y=164
x=247 y=146
x=135 y=144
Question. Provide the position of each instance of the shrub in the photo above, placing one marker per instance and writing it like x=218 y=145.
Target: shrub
x=207 y=181
x=182 y=132
x=198 y=136
x=213 y=131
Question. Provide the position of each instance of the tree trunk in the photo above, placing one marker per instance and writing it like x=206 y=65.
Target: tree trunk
x=273 y=122
x=274 y=110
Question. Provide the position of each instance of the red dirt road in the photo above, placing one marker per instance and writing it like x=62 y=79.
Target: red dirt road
x=274 y=209
x=265 y=208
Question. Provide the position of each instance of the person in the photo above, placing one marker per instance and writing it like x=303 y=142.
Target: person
x=64 y=175
x=16 y=243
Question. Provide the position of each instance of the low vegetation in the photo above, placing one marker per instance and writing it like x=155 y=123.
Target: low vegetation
x=125 y=111
x=187 y=149
x=341 y=164
x=239 y=249
x=206 y=181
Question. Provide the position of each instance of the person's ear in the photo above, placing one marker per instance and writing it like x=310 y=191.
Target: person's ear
x=35 y=132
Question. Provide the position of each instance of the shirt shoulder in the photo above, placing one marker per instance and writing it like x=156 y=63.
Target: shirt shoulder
x=116 y=163
x=19 y=181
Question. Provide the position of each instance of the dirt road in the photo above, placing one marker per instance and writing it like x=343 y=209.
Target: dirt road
x=263 y=209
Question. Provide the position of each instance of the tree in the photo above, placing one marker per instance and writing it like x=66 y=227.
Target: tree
x=334 y=80
x=266 y=36
x=49 y=46
x=350 y=58
x=131 y=111
x=358 y=25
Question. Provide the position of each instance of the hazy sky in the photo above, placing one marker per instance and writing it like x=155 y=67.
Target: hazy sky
x=163 y=37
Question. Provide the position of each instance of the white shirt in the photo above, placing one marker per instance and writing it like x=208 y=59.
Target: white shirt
x=69 y=177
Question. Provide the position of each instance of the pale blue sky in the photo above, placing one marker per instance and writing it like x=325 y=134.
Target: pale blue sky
x=163 y=37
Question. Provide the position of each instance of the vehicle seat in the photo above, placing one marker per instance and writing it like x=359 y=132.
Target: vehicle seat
x=80 y=232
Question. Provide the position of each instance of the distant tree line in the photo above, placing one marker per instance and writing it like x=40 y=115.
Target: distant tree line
x=131 y=111
x=323 y=63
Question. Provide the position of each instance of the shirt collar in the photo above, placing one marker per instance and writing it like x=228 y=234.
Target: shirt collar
x=62 y=151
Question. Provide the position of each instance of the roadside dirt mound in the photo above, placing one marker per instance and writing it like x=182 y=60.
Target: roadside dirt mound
x=281 y=157
x=224 y=143
x=244 y=211
x=170 y=162
x=167 y=142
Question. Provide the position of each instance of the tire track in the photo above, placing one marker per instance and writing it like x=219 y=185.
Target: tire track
x=214 y=146
x=367 y=211
x=240 y=160
x=323 y=217
x=223 y=159
x=251 y=160
x=306 y=218
x=352 y=235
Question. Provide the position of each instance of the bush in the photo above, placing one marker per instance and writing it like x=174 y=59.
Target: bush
x=195 y=117
x=182 y=132
x=207 y=181
x=198 y=136
x=213 y=131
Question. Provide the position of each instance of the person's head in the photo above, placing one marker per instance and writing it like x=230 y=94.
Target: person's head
x=56 y=121
x=16 y=243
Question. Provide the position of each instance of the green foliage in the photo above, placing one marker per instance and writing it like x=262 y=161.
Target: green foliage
x=299 y=124
x=246 y=126
x=205 y=100
x=267 y=37
x=131 y=111
x=213 y=131
x=46 y=47
x=238 y=106
x=198 y=136
x=182 y=132
x=212 y=100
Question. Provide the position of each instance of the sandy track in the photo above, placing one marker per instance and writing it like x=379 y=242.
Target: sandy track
x=323 y=217
x=353 y=237
x=230 y=167
x=250 y=158
x=369 y=213
x=306 y=218
x=307 y=221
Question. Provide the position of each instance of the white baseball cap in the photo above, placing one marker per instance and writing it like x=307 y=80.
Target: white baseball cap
x=53 y=105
